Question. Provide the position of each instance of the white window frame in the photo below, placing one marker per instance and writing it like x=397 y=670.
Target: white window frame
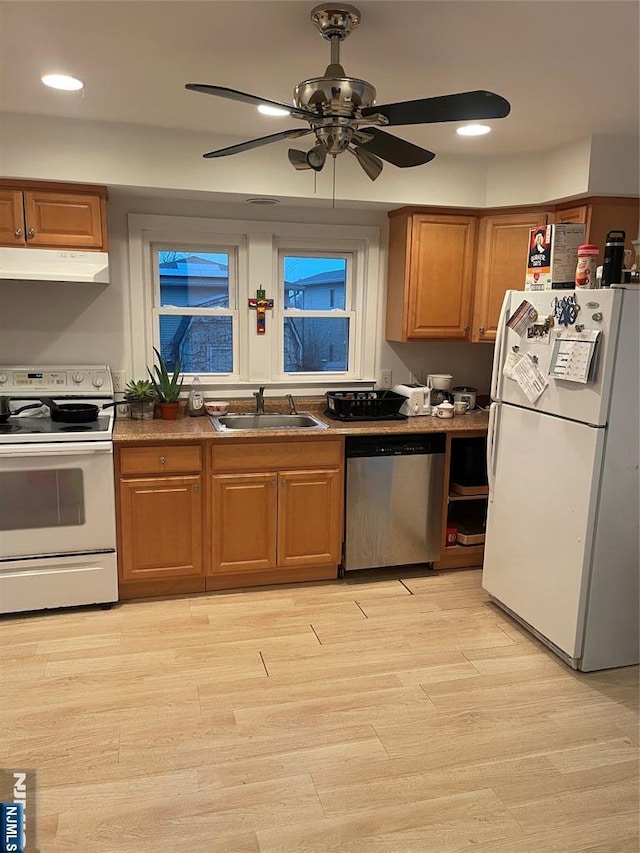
x=258 y=359
x=193 y=311
x=349 y=312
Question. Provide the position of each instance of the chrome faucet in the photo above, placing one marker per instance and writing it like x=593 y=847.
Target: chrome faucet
x=292 y=405
x=259 y=395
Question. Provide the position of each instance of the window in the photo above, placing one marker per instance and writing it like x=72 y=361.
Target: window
x=315 y=319
x=194 y=302
x=198 y=276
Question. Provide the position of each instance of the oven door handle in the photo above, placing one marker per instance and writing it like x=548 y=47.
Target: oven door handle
x=59 y=449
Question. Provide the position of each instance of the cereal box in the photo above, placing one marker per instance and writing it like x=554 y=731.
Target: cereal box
x=552 y=256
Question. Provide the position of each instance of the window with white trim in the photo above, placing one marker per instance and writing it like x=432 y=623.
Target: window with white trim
x=195 y=307
x=198 y=276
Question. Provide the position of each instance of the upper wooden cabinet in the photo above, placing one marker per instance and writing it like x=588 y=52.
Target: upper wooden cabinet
x=430 y=276
x=448 y=270
x=53 y=216
x=602 y=215
x=503 y=239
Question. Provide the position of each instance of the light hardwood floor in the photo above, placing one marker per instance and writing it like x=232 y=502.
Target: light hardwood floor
x=379 y=714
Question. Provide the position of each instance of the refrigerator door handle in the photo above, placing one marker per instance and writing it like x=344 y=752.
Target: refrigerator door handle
x=497 y=349
x=491 y=441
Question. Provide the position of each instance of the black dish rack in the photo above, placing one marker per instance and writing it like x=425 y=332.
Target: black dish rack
x=379 y=405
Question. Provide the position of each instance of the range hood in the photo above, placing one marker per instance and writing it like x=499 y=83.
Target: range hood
x=54 y=265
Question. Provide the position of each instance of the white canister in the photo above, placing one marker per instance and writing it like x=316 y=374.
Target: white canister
x=586 y=267
x=440 y=381
x=445 y=410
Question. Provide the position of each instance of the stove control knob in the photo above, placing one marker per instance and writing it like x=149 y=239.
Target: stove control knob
x=3 y=378
x=98 y=381
x=78 y=377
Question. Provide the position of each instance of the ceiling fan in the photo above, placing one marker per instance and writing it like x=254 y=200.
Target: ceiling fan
x=342 y=113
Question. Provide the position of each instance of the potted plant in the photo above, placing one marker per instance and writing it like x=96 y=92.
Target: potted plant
x=141 y=396
x=167 y=387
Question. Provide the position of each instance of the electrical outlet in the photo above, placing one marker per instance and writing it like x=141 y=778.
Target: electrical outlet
x=385 y=379
x=119 y=381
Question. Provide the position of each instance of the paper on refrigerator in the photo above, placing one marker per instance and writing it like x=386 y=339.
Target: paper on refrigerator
x=574 y=355
x=529 y=378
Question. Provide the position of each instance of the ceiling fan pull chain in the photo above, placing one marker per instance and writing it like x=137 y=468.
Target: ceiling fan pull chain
x=333 y=188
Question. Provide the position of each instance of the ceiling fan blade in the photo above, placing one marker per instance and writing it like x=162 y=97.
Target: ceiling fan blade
x=256 y=143
x=466 y=106
x=245 y=97
x=371 y=164
x=392 y=149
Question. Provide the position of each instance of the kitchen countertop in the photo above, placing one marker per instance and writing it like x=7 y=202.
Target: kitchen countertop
x=197 y=429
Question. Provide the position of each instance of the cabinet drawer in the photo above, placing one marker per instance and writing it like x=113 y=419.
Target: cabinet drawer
x=263 y=456
x=160 y=459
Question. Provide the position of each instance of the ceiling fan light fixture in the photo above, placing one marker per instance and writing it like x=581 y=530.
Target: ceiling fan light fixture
x=65 y=82
x=266 y=110
x=473 y=130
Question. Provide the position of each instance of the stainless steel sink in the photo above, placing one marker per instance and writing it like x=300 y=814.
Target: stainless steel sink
x=232 y=423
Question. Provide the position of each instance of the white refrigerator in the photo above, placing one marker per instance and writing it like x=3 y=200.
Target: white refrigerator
x=562 y=539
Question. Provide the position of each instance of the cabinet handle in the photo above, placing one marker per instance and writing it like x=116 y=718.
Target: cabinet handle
x=273 y=484
x=31 y=232
x=196 y=487
x=481 y=330
x=18 y=232
x=466 y=330
x=162 y=460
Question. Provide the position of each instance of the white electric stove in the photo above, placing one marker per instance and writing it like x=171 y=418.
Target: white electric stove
x=57 y=503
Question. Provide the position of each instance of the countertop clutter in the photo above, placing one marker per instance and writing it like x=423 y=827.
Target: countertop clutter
x=198 y=429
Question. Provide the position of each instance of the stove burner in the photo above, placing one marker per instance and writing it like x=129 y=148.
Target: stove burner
x=9 y=427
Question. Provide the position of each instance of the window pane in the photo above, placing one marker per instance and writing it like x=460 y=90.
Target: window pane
x=202 y=344
x=199 y=280
x=316 y=343
x=314 y=284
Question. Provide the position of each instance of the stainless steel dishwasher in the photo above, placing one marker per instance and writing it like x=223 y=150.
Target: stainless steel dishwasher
x=393 y=512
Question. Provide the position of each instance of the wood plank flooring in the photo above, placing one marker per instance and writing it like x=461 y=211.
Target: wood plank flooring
x=384 y=713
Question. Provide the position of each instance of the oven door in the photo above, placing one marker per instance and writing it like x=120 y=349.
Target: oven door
x=56 y=499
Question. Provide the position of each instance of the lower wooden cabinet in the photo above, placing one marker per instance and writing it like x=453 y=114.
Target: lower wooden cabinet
x=276 y=511
x=161 y=527
x=223 y=514
x=160 y=519
x=309 y=518
x=243 y=522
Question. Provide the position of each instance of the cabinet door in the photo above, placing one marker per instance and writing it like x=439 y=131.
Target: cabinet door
x=441 y=277
x=580 y=214
x=160 y=528
x=309 y=518
x=502 y=260
x=244 y=519
x=63 y=220
x=12 y=232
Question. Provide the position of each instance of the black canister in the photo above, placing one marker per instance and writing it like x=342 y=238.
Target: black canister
x=613 y=258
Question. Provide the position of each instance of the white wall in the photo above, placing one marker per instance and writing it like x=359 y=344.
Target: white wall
x=59 y=322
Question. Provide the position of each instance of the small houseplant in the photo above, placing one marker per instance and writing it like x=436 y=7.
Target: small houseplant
x=167 y=387
x=141 y=396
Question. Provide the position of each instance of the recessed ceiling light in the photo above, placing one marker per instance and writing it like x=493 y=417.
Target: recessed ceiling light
x=266 y=110
x=474 y=130
x=63 y=81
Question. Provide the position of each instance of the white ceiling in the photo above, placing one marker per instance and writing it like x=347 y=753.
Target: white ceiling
x=569 y=69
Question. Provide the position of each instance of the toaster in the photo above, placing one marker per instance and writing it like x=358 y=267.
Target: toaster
x=418 y=400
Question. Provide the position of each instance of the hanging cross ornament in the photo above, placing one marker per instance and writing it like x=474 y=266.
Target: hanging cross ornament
x=261 y=305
